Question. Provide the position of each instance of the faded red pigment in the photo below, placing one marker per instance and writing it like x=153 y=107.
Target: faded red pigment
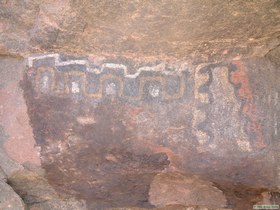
x=249 y=108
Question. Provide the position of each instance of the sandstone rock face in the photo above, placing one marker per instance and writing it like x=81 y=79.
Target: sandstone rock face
x=16 y=137
x=106 y=126
x=128 y=104
x=201 y=30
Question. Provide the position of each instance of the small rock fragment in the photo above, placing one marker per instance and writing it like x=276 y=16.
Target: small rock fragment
x=32 y=187
x=38 y=194
x=9 y=200
x=173 y=188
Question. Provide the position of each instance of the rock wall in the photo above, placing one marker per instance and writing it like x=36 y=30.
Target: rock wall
x=138 y=104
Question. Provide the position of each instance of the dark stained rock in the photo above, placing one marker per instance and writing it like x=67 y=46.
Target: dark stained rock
x=106 y=126
x=9 y=200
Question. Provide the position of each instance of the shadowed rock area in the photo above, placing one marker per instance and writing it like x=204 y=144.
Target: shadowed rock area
x=139 y=104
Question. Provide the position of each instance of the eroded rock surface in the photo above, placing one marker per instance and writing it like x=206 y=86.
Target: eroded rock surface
x=117 y=93
x=39 y=195
x=201 y=30
x=174 y=207
x=3 y=176
x=16 y=137
x=106 y=126
x=9 y=199
x=171 y=188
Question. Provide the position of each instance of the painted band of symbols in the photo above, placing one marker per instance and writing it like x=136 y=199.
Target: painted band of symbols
x=74 y=77
x=206 y=89
x=73 y=82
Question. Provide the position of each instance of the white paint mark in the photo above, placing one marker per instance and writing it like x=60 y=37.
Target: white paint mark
x=94 y=70
x=60 y=147
x=56 y=60
x=244 y=145
x=38 y=150
x=275 y=124
x=199 y=116
x=202 y=137
x=276 y=99
x=269 y=99
x=45 y=82
x=154 y=91
x=65 y=63
x=111 y=89
x=142 y=69
x=160 y=67
x=86 y=120
x=75 y=87
x=213 y=146
x=113 y=66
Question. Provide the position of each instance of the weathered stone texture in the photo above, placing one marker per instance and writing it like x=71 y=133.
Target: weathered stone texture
x=168 y=188
x=39 y=195
x=7 y=164
x=59 y=204
x=131 y=103
x=202 y=30
x=3 y=176
x=9 y=200
x=16 y=134
x=173 y=207
x=106 y=126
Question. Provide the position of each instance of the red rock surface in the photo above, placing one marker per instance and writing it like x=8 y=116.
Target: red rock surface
x=20 y=144
x=117 y=100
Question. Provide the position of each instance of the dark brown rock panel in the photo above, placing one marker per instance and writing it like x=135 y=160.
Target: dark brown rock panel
x=106 y=126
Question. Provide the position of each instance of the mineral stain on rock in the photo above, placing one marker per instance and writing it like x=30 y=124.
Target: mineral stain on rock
x=98 y=160
x=87 y=150
x=106 y=133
